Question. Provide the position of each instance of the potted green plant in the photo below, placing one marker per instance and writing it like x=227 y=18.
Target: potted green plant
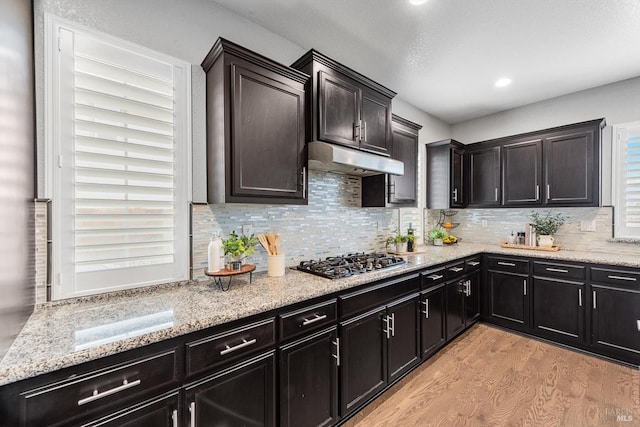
x=238 y=248
x=437 y=234
x=546 y=226
x=399 y=241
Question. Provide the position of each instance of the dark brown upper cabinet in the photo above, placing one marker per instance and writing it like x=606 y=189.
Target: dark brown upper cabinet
x=522 y=172
x=446 y=175
x=346 y=107
x=256 y=142
x=551 y=167
x=484 y=176
x=396 y=190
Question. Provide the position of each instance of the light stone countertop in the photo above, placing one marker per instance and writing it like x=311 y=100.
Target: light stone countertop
x=70 y=332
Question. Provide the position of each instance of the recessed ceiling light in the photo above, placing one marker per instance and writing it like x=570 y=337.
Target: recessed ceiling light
x=417 y=2
x=505 y=81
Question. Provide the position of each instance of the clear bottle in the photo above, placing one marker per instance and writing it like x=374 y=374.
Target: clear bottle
x=214 y=253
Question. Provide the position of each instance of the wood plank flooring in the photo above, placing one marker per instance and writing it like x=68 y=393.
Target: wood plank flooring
x=489 y=377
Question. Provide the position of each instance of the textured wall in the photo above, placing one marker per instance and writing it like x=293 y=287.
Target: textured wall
x=500 y=223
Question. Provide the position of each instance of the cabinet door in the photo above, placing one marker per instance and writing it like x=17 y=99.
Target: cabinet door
x=432 y=328
x=404 y=339
x=472 y=298
x=522 y=177
x=309 y=381
x=457 y=179
x=454 y=294
x=570 y=164
x=267 y=130
x=375 y=134
x=484 y=171
x=558 y=309
x=160 y=412
x=403 y=189
x=363 y=359
x=508 y=303
x=339 y=110
x=616 y=321
x=240 y=396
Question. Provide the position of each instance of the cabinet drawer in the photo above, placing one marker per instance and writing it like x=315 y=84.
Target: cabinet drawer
x=433 y=277
x=472 y=263
x=614 y=276
x=511 y=265
x=308 y=319
x=95 y=390
x=455 y=270
x=230 y=345
x=375 y=296
x=561 y=271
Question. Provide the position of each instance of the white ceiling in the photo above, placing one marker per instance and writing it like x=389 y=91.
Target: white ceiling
x=445 y=55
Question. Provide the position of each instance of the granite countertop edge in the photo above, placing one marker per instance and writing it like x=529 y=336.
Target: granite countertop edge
x=36 y=351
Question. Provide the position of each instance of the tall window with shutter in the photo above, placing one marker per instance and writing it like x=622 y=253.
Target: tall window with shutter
x=627 y=180
x=119 y=118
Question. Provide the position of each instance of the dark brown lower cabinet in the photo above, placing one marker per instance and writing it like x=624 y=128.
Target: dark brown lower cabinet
x=160 y=412
x=242 y=395
x=472 y=298
x=507 y=299
x=559 y=309
x=454 y=296
x=309 y=381
x=432 y=319
x=615 y=317
x=404 y=340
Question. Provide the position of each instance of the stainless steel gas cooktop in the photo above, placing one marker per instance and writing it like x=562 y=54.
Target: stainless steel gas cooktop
x=348 y=265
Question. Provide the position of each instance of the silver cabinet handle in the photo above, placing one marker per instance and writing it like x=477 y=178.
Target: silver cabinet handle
x=304 y=180
x=474 y=263
x=364 y=131
x=97 y=395
x=356 y=134
x=594 y=300
x=192 y=411
x=579 y=297
x=468 y=288
x=456 y=269
x=174 y=418
x=496 y=194
x=387 y=330
x=638 y=324
x=557 y=270
x=508 y=264
x=243 y=344
x=537 y=192
x=393 y=324
x=455 y=194
x=426 y=308
x=525 y=287
x=629 y=279
x=435 y=277
x=548 y=191
x=317 y=318
x=337 y=355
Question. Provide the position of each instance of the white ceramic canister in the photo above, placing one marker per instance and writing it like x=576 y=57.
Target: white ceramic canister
x=275 y=265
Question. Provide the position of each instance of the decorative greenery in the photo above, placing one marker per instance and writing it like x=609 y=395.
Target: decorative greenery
x=437 y=233
x=547 y=225
x=239 y=246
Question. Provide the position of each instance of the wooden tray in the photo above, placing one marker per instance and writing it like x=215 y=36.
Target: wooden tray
x=531 y=248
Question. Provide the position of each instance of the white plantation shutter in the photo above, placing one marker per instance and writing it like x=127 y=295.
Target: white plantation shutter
x=627 y=188
x=120 y=200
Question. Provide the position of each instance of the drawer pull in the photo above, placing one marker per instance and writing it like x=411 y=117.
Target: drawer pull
x=317 y=318
x=456 y=269
x=435 y=277
x=243 y=344
x=508 y=264
x=557 y=270
x=630 y=279
x=474 y=263
x=97 y=395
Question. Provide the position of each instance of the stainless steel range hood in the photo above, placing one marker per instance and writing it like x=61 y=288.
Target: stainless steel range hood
x=338 y=159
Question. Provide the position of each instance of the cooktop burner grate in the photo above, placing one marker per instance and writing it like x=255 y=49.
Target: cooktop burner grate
x=348 y=265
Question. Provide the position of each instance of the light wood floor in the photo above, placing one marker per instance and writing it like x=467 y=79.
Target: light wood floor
x=489 y=377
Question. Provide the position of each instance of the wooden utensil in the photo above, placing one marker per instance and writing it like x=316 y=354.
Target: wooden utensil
x=265 y=243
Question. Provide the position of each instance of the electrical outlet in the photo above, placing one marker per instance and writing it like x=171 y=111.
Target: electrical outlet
x=247 y=229
x=484 y=223
x=588 y=225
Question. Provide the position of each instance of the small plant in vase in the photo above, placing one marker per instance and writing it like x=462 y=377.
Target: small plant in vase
x=238 y=248
x=438 y=234
x=399 y=241
x=546 y=226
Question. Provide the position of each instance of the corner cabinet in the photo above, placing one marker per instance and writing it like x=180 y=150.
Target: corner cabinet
x=255 y=128
x=446 y=175
x=347 y=108
x=392 y=190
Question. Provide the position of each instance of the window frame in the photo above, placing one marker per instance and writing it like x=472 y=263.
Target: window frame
x=55 y=132
x=620 y=231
